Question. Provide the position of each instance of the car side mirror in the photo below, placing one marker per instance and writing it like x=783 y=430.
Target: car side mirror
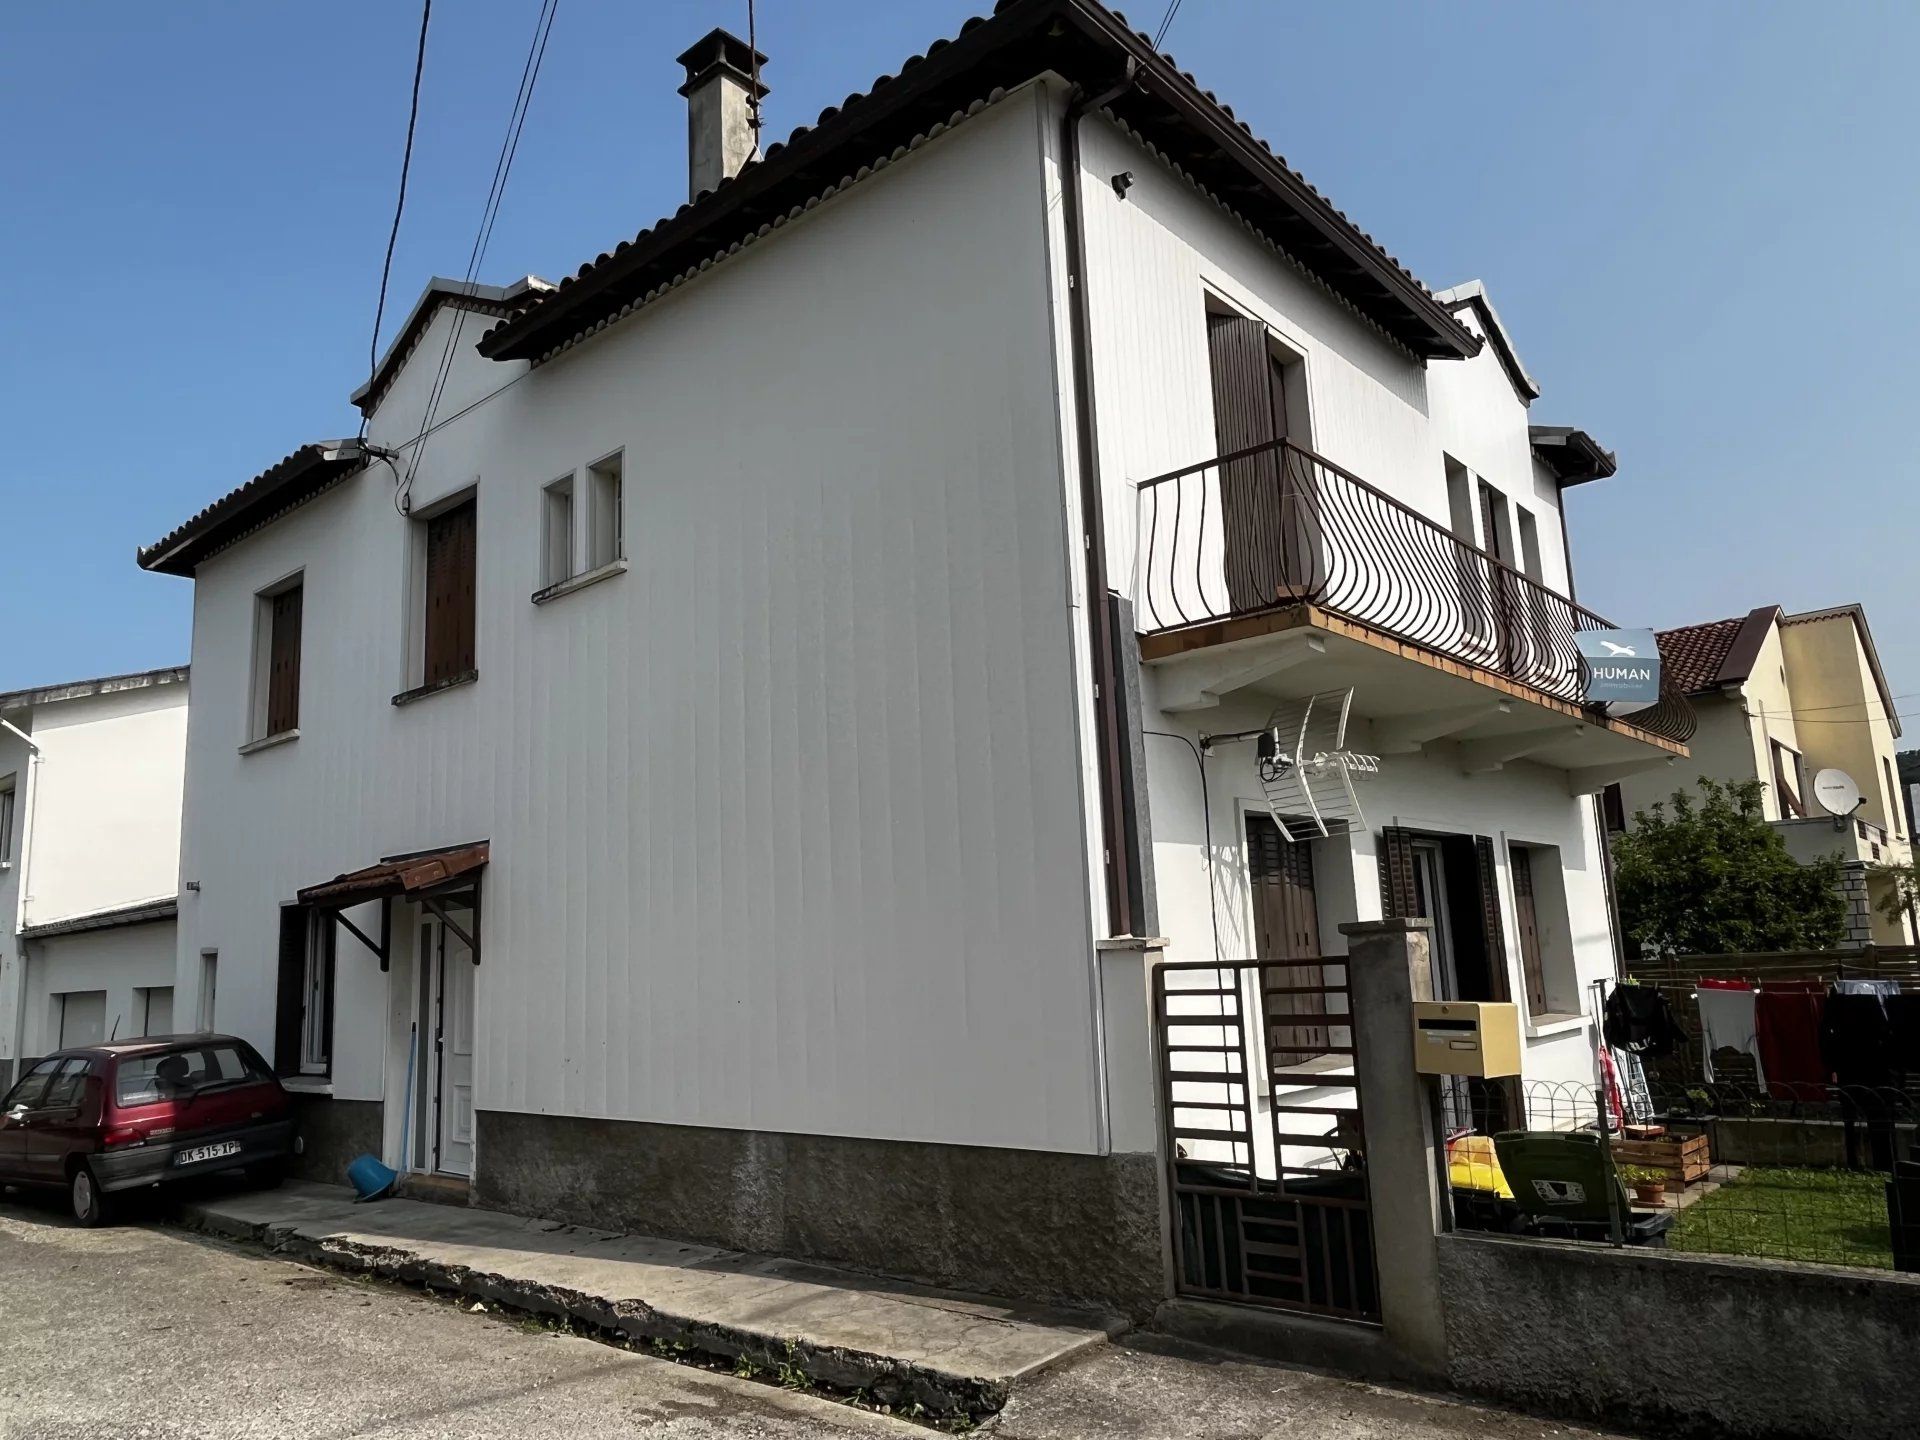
x=17 y=1112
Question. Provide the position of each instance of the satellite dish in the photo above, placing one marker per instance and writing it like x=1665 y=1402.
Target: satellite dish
x=1836 y=792
x=1306 y=771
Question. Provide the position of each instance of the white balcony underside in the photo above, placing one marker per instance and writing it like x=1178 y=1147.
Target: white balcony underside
x=1408 y=701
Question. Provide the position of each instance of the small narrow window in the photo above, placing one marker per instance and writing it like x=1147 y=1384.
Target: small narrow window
x=209 y=990
x=6 y=820
x=447 y=646
x=1494 y=524
x=556 y=532
x=1459 y=499
x=303 y=1029
x=1530 y=545
x=1893 y=797
x=278 y=615
x=606 y=537
x=1786 y=781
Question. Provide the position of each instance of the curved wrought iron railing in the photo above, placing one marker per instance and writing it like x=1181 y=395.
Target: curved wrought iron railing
x=1276 y=525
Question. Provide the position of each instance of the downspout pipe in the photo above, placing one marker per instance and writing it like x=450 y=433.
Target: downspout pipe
x=1117 y=832
x=23 y=837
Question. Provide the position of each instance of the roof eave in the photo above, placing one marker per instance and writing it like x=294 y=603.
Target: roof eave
x=1429 y=329
x=316 y=466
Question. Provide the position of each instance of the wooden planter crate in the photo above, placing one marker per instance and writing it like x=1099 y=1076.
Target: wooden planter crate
x=1680 y=1159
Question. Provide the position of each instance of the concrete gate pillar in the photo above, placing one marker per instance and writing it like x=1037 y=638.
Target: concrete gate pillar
x=1388 y=968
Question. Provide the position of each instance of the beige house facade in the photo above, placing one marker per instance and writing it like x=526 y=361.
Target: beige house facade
x=1785 y=699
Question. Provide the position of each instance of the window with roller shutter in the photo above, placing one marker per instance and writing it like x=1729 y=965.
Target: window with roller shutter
x=448 y=646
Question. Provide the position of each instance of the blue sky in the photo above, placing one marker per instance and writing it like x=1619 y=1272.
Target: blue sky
x=1698 y=220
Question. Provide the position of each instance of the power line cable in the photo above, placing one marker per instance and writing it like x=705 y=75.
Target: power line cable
x=1166 y=23
x=483 y=235
x=400 y=204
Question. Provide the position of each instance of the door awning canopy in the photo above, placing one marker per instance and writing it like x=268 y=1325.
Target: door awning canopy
x=425 y=872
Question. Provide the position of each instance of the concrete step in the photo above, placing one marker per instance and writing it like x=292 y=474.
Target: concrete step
x=901 y=1344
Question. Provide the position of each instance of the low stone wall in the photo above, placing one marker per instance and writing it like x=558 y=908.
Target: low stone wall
x=1664 y=1341
x=1069 y=1228
x=333 y=1133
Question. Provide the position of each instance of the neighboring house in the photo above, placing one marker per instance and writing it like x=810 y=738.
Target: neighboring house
x=90 y=784
x=1780 y=699
x=698 y=764
x=1906 y=765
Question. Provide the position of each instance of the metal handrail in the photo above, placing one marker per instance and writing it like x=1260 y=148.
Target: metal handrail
x=1275 y=524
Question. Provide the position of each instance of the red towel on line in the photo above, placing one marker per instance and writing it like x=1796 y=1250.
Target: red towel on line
x=1787 y=1022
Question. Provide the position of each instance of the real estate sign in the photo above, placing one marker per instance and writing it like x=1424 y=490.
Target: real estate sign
x=1622 y=665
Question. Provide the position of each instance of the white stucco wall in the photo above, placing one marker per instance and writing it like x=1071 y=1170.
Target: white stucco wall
x=1154 y=257
x=786 y=819
x=96 y=827
x=106 y=820
x=121 y=962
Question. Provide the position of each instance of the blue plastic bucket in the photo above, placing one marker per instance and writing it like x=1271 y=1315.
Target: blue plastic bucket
x=371 y=1180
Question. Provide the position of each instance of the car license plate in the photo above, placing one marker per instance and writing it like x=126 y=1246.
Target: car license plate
x=197 y=1153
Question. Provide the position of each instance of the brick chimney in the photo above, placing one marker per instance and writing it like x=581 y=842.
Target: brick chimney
x=720 y=90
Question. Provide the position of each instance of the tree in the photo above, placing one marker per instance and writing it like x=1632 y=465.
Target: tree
x=1712 y=877
x=1902 y=897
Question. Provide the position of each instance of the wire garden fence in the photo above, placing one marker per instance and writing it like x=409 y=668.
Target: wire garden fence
x=1823 y=1174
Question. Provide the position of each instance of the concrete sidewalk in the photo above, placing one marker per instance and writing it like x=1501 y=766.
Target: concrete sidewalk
x=902 y=1344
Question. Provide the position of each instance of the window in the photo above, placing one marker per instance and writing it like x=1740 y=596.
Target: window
x=69 y=1086
x=1496 y=536
x=303 y=1023
x=556 y=532
x=1459 y=499
x=1268 y=533
x=32 y=1087
x=447 y=648
x=156 y=1009
x=1530 y=545
x=167 y=1074
x=1546 y=945
x=606 y=536
x=6 y=821
x=1893 y=796
x=277 y=706
x=209 y=974
x=1788 y=781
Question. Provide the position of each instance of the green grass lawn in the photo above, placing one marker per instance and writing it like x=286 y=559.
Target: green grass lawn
x=1833 y=1217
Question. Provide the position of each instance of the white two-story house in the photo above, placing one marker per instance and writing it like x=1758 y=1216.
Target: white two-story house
x=90 y=787
x=702 y=763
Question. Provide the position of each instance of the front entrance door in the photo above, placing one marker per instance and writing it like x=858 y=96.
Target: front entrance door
x=449 y=1030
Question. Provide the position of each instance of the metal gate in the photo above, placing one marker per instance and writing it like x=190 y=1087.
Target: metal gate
x=1265 y=1141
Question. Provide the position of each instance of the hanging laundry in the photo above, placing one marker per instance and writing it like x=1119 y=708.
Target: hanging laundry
x=1728 y=1022
x=1856 y=1034
x=1885 y=989
x=1787 y=1016
x=1640 y=1021
x=1903 y=1016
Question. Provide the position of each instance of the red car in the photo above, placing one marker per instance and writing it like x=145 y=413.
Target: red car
x=99 y=1119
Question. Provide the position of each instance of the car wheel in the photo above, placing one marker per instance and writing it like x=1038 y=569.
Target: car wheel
x=89 y=1200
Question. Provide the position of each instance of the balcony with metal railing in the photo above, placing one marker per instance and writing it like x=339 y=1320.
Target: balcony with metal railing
x=1273 y=538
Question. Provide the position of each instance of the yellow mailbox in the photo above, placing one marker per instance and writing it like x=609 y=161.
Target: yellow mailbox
x=1466 y=1037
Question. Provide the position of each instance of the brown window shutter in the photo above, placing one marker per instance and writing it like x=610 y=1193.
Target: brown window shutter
x=283 y=662
x=1497 y=982
x=288 y=1002
x=1249 y=408
x=1399 y=897
x=451 y=552
x=1526 y=917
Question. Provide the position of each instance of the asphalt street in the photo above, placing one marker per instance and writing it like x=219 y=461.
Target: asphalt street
x=147 y=1331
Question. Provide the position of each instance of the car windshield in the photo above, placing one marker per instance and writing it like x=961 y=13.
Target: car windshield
x=169 y=1074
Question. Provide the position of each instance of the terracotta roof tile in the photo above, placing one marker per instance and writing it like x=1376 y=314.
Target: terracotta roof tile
x=1089 y=41
x=1693 y=654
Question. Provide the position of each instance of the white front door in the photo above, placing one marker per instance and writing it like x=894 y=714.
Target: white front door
x=450 y=1025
